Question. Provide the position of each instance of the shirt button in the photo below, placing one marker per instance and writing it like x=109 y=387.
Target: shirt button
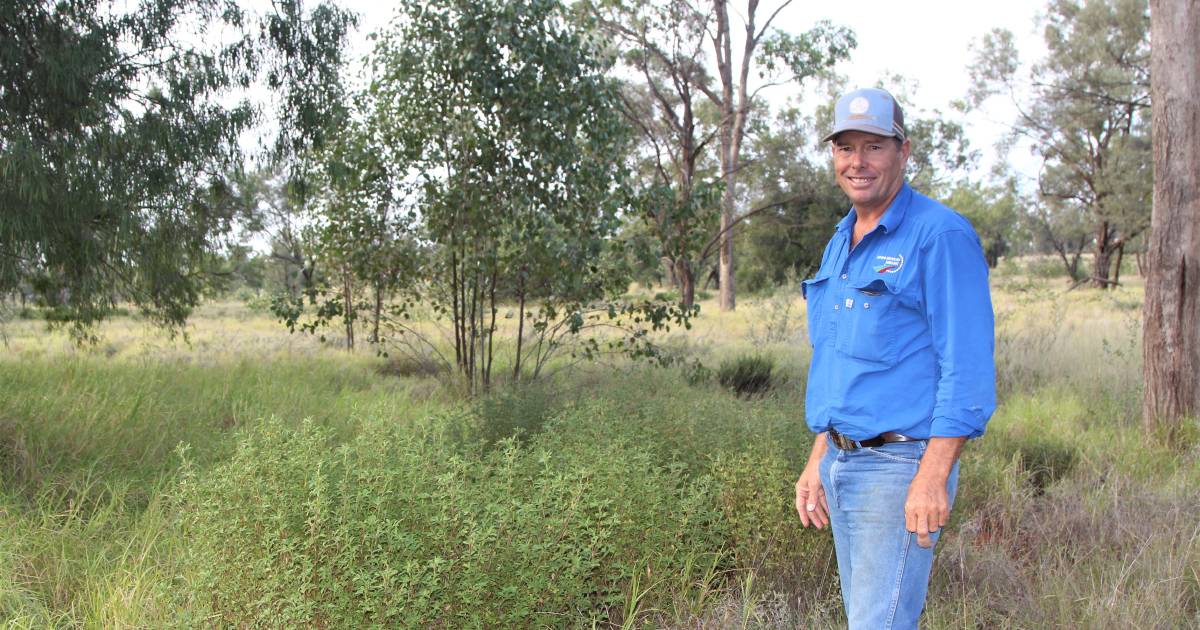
x=844 y=276
x=836 y=306
x=866 y=305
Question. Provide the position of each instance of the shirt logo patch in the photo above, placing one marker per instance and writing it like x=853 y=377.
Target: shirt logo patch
x=889 y=264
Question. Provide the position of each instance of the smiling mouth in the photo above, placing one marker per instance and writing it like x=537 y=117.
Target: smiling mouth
x=861 y=180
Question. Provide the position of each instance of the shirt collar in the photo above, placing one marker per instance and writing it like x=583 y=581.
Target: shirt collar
x=892 y=217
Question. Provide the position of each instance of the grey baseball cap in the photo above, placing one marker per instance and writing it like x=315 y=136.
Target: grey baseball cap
x=871 y=110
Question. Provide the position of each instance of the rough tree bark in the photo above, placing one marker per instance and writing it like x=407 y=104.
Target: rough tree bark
x=1171 y=330
x=1102 y=260
x=687 y=282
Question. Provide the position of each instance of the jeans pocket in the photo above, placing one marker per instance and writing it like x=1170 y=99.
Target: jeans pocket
x=907 y=452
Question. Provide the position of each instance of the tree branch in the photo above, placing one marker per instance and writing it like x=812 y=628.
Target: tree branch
x=707 y=251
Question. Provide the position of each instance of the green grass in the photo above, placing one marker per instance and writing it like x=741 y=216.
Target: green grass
x=248 y=477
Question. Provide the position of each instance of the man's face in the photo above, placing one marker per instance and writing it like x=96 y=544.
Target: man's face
x=870 y=168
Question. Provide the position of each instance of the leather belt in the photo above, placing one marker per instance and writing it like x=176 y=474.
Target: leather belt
x=847 y=444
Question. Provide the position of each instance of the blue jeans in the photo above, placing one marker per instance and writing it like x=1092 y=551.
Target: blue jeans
x=884 y=573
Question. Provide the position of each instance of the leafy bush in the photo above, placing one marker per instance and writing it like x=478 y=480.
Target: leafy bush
x=516 y=412
x=1045 y=267
x=696 y=374
x=755 y=495
x=747 y=375
x=395 y=530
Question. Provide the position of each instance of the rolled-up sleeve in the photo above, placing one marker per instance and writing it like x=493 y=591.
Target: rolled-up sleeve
x=959 y=311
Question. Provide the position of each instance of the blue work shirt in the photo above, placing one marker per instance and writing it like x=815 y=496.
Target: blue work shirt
x=902 y=327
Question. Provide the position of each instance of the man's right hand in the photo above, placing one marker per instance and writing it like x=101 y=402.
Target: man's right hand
x=810 y=494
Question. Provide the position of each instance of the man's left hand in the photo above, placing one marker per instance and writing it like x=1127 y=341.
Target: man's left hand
x=927 y=507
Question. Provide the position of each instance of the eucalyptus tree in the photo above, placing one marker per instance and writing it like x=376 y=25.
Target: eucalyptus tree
x=993 y=210
x=793 y=181
x=357 y=229
x=677 y=47
x=779 y=57
x=502 y=119
x=274 y=210
x=119 y=125
x=1087 y=115
x=663 y=45
x=1171 y=332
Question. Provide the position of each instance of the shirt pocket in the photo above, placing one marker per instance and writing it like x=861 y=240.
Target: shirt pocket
x=816 y=293
x=868 y=327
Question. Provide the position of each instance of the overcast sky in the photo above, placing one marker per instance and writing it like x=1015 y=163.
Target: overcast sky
x=926 y=41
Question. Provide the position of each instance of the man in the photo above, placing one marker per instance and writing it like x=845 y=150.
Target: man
x=900 y=320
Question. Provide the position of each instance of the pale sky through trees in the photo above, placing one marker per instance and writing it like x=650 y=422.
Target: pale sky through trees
x=925 y=41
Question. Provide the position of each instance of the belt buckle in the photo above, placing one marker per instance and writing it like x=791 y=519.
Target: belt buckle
x=843 y=442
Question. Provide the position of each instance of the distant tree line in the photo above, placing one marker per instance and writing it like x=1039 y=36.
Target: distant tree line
x=126 y=181
x=520 y=160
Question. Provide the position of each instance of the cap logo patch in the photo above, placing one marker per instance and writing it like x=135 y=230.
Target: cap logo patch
x=889 y=264
x=859 y=105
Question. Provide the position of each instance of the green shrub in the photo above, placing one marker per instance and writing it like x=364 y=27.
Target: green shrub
x=696 y=374
x=756 y=496
x=1046 y=267
x=398 y=531
x=672 y=295
x=748 y=374
x=519 y=411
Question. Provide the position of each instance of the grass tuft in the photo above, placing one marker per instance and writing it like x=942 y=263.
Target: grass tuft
x=747 y=375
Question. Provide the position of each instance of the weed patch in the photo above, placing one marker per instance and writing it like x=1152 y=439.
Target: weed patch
x=393 y=530
x=747 y=375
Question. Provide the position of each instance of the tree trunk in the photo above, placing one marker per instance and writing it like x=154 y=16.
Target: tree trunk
x=734 y=104
x=712 y=278
x=687 y=283
x=1171 y=316
x=520 y=327
x=672 y=278
x=348 y=308
x=725 y=265
x=1073 y=267
x=473 y=329
x=456 y=306
x=491 y=330
x=377 y=314
x=1116 y=281
x=1102 y=262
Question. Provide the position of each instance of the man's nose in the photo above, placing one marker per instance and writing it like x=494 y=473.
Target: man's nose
x=856 y=158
